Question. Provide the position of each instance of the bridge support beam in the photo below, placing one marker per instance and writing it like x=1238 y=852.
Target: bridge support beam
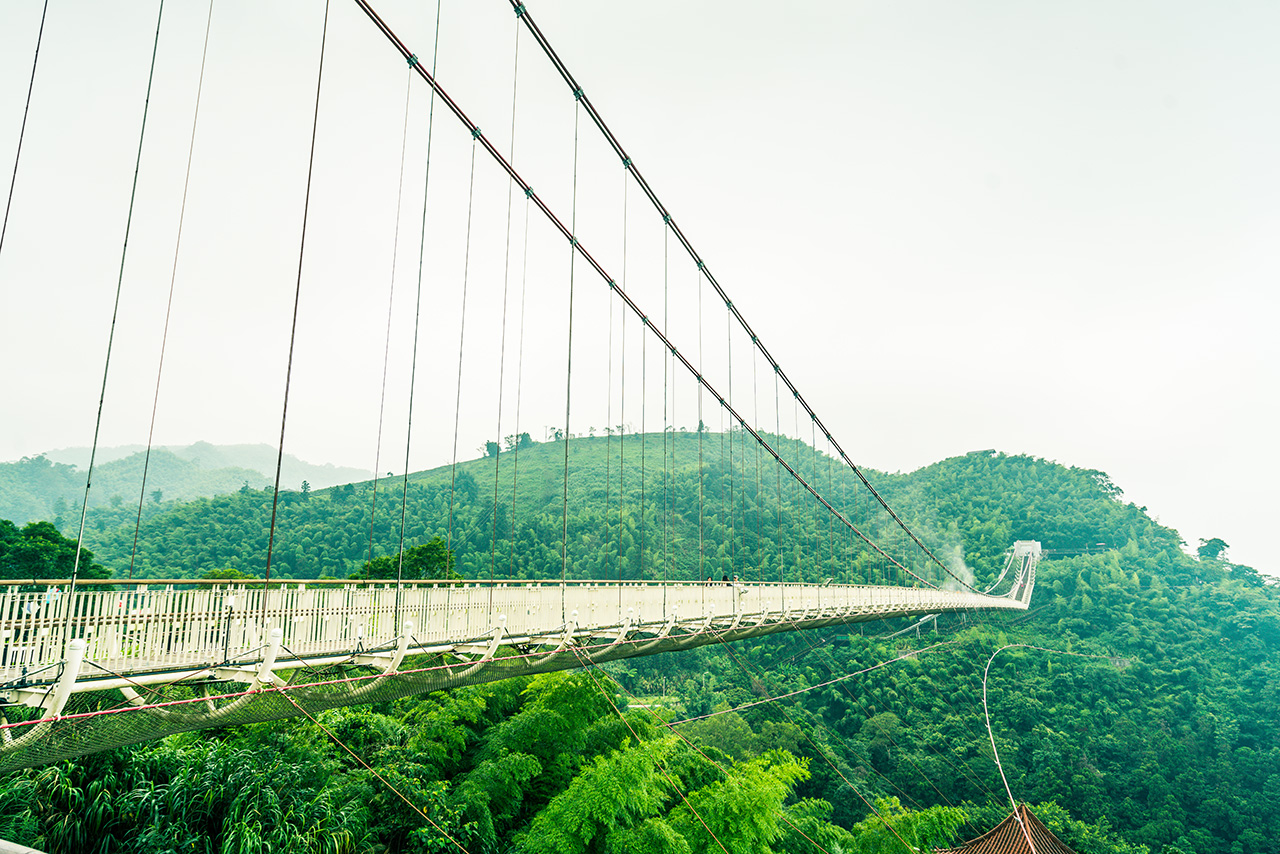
x=54 y=702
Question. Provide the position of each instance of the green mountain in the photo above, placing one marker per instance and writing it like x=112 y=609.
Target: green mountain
x=50 y=486
x=628 y=516
x=1141 y=712
x=260 y=458
x=733 y=513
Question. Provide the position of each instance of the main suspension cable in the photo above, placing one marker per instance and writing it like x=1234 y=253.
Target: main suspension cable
x=523 y=14
x=577 y=249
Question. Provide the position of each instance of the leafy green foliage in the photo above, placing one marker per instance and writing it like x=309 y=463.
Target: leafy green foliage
x=894 y=830
x=613 y=792
x=741 y=812
x=429 y=560
x=1211 y=549
x=38 y=550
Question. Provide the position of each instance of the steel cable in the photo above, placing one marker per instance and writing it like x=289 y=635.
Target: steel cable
x=462 y=330
x=22 y=131
x=386 y=347
x=297 y=299
x=577 y=246
x=417 y=309
x=168 y=309
x=506 y=283
x=524 y=15
x=568 y=373
x=111 y=336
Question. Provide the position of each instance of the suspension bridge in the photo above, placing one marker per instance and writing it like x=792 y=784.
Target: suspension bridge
x=86 y=665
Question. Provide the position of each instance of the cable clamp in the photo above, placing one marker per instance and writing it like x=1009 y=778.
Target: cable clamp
x=613 y=285
x=528 y=192
x=699 y=263
x=626 y=163
x=413 y=60
x=666 y=218
x=755 y=340
x=728 y=304
x=644 y=318
x=475 y=132
x=577 y=94
x=573 y=241
x=520 y=10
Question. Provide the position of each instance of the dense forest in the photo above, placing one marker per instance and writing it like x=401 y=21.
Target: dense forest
x=1152 y=729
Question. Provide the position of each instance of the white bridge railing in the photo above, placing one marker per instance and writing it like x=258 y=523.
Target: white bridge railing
x=111 y=636
x=133 y=628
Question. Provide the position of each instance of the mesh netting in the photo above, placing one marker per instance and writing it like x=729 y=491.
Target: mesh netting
x=97 y=721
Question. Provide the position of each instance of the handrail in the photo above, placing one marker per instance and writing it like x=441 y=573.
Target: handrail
x=383 y=583
x=153 y=626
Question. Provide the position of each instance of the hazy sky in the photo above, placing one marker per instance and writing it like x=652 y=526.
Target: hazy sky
x=1041 y=228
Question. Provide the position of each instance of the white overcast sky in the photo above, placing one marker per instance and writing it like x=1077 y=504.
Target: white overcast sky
x=1044 y=228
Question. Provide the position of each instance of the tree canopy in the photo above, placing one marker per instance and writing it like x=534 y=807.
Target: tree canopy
x=39 y=550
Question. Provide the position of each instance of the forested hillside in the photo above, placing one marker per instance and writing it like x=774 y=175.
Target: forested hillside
x=1156 y=733
x=631 y=516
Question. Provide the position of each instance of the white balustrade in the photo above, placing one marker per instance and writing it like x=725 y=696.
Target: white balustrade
x=131 y=628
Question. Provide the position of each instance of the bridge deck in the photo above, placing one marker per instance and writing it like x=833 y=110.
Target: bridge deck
x=133 y=629
x=201 y=638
